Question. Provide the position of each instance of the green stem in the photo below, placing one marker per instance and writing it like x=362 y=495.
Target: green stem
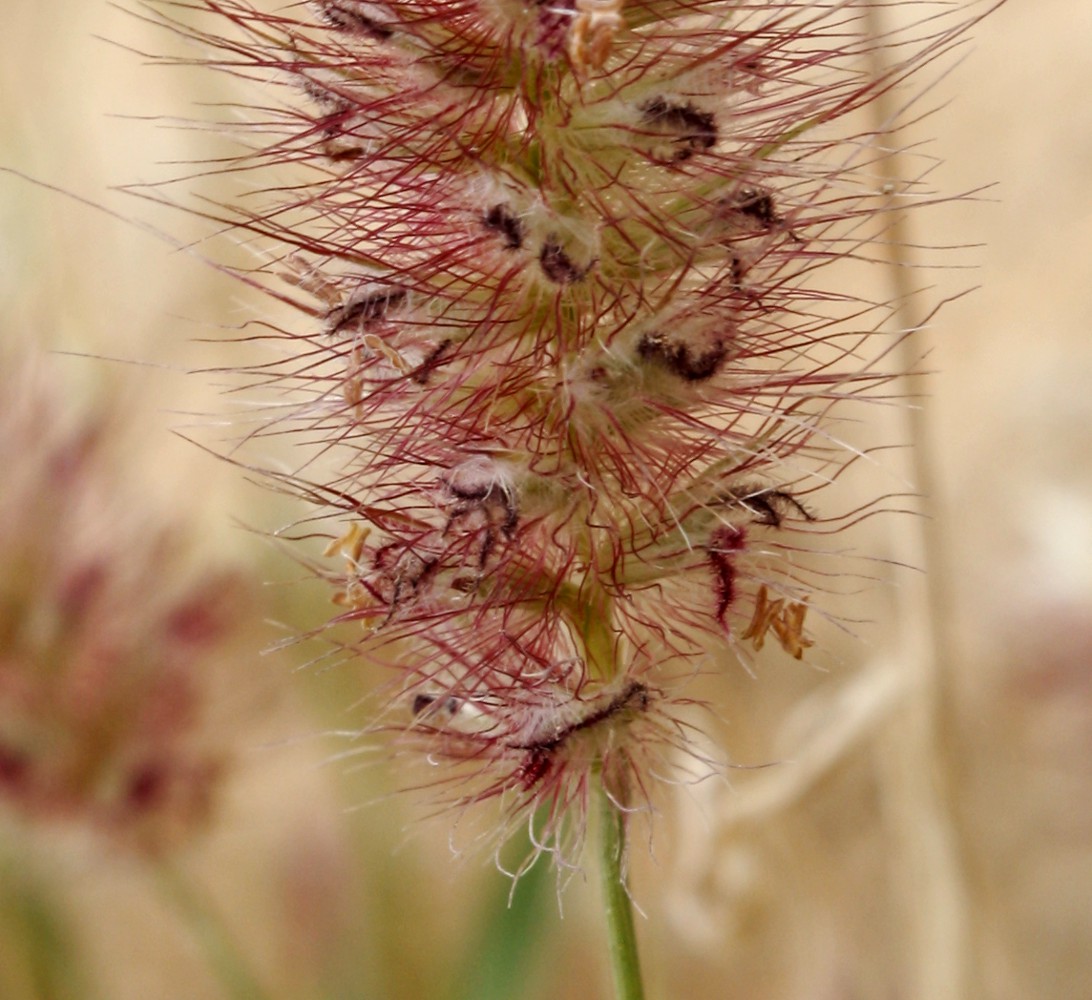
x=216 y=941
x=620 y=929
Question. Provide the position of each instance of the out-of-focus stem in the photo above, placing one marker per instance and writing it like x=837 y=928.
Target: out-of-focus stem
x=918 y=797
x=215 y=939
x=622 y=935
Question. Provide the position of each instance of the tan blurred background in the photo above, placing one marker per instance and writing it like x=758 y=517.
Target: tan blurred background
x=933 y=838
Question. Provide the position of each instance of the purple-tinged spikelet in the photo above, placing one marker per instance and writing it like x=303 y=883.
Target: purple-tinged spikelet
x=564 y=333
x=111 y=639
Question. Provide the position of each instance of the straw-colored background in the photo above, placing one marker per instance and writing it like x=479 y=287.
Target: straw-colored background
x=936 y=826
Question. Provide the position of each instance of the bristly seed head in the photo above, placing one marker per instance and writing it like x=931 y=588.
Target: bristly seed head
x=572 y=255
x=114 y=636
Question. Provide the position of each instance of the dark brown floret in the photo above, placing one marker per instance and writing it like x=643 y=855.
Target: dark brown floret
x=339 y=153
x=635 y=695
x=739 y=272
x=758 y=205
x=769 y=506
x=432 y=361
x=500 y=219
x=338 y=144
x=695 y=364
x=345 y=15
x=321 y=96
x=449 y=704
x=694 y=130
x=482 y=505
x=540 y=753
x=364 y=308
x=401 y=573
x=558 y=266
